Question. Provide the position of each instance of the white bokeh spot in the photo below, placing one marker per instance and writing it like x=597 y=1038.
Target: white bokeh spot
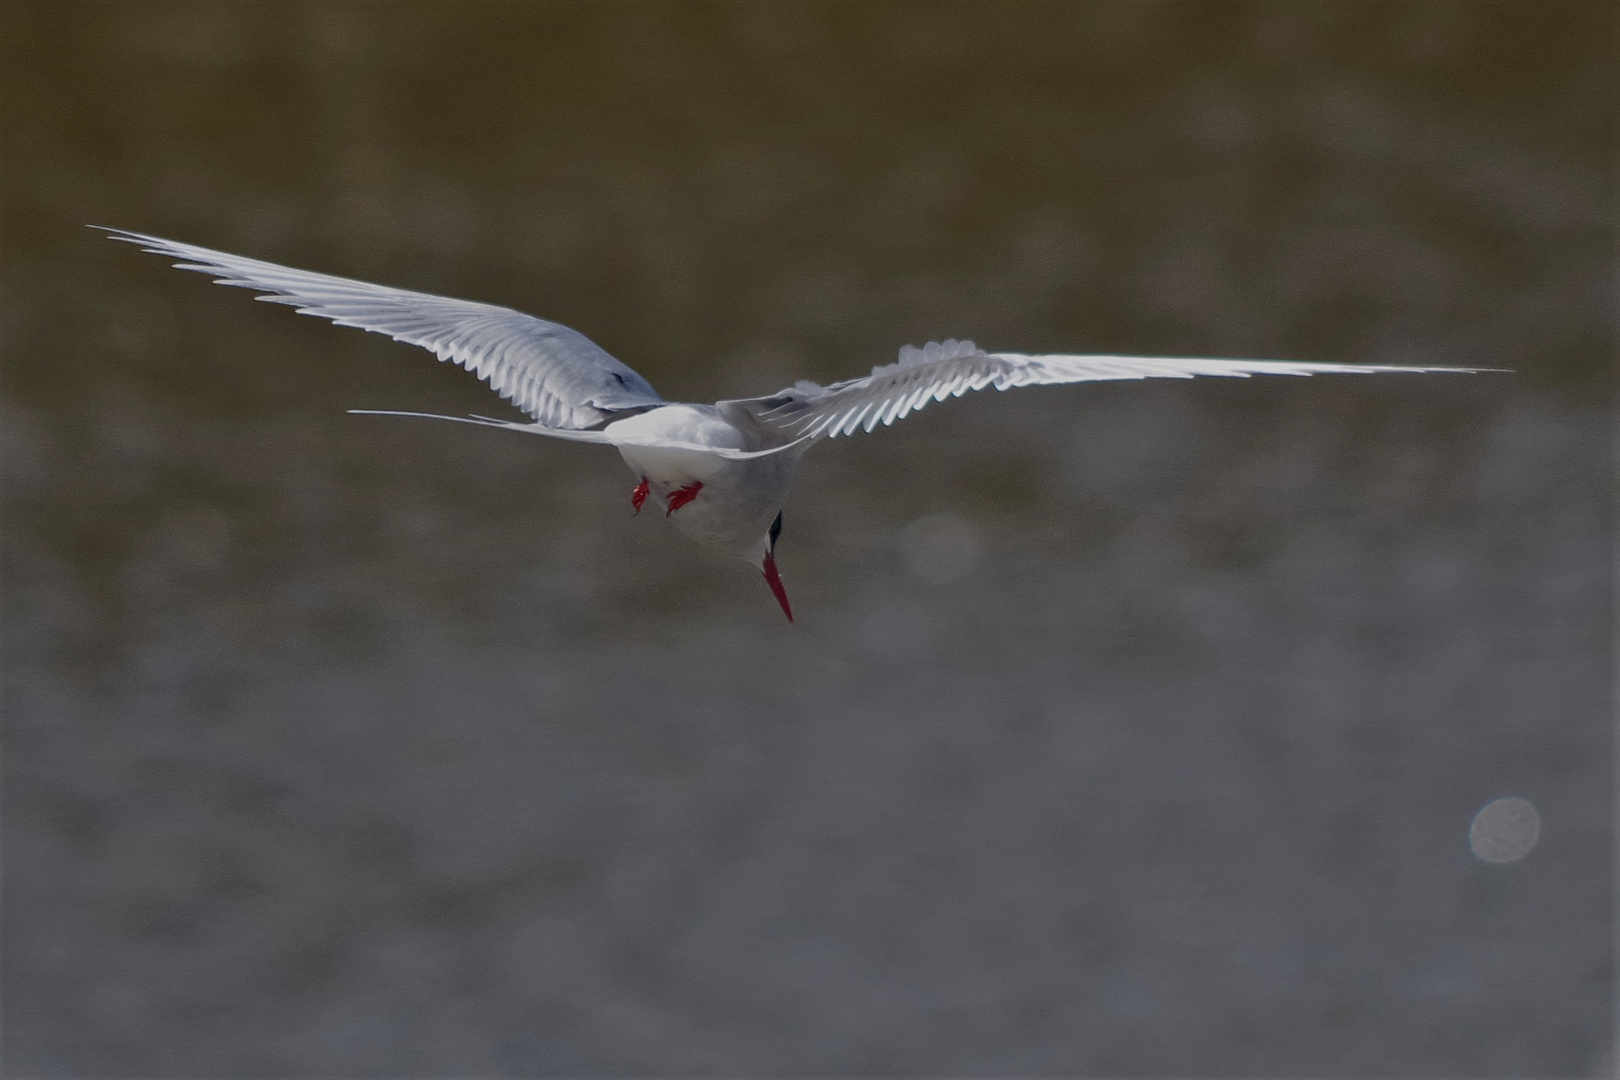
x=1504 y=830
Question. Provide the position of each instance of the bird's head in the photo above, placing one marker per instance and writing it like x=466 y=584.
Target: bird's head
x=765 y=561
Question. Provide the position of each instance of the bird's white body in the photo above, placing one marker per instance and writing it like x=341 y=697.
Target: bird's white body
x=739 y=497
x=721 y=471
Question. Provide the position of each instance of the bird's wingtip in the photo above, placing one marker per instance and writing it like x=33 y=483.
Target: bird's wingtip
x=128 y=236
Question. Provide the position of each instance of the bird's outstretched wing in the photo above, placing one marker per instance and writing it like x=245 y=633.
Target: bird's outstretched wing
x=556 y=375
x=951 y=368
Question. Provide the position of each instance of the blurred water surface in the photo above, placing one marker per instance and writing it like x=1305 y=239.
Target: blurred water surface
x=1126 y=729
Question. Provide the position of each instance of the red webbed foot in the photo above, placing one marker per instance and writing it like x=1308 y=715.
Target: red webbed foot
x=639 y=496
x=681 y=496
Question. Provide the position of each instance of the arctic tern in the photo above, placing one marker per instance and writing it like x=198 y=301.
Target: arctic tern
x=721 y=472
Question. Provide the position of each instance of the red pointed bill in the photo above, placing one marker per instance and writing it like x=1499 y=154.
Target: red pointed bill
x=775 y=581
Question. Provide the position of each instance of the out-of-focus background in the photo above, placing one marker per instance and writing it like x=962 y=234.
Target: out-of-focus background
x=1129 y=730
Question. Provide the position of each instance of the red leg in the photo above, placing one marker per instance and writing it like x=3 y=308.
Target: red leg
x=639 y=496
x=681 y=496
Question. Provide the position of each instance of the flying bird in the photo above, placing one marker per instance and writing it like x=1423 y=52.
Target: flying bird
x=720 y=472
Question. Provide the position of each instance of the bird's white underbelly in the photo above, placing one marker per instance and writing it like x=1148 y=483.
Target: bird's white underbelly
x=739 y=498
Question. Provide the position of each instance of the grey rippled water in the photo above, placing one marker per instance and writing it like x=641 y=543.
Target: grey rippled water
x=1223 y=728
